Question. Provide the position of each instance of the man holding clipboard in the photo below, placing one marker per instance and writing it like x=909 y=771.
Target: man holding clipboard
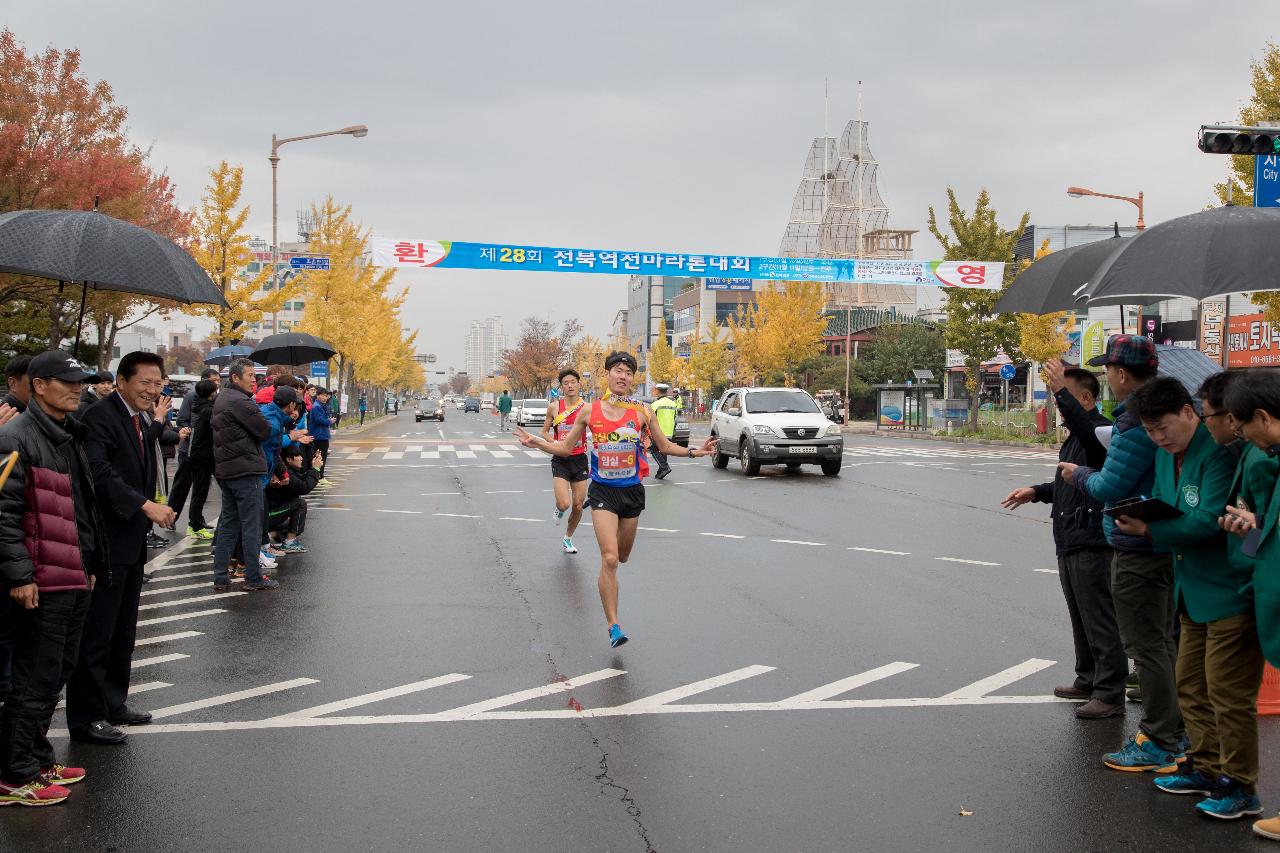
x=1219 y=665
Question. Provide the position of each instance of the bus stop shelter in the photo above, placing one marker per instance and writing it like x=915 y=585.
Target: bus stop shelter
x=903 y=406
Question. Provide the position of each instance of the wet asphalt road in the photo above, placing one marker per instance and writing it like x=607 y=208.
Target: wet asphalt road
x=816 y=664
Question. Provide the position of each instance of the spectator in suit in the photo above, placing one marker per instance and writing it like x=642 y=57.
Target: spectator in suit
x=122 y=435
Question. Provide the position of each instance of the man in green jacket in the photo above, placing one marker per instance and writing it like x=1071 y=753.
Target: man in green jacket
x=1219 y=663
x=1254 y=403
x=504 y=409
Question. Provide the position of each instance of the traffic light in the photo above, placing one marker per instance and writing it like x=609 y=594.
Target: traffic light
x=1239 y=140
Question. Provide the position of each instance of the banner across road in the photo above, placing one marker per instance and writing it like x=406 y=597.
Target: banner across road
x=445 y=254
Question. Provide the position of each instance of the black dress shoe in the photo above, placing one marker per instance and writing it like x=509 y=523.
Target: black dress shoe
x=130 y=718
x=100 y=732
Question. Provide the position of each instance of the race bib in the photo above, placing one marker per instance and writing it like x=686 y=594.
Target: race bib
x=616 y=461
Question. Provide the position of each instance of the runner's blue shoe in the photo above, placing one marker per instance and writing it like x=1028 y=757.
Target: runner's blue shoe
x=1230 y=803
x=557 y=514
x=1188 y=780
x=1141 y=754
x=616 y=637
x=569 y=547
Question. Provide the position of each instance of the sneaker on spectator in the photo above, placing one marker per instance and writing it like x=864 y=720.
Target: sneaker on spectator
x=275 y=550
x=222 y=587
x=265 y=561
x=265 y=583
x=1231 y=801
x=1141 y=754
x=34 y=793
x=61 y=774
x=293 y=546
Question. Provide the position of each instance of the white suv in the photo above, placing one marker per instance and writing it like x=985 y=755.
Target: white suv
x=775 y=426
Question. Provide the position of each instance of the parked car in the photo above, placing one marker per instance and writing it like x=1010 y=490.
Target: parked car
x=471 y=404
x=775 y=426
x=486 y=405
x=429 y=410
x=681 y=433
x=530 y=412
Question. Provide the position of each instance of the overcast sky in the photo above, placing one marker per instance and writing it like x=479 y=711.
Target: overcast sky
x=671 y=126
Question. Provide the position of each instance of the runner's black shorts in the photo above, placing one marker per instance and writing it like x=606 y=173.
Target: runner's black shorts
x=622 y=501
x=572 y=468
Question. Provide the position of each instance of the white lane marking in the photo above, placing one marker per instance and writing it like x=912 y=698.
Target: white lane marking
x=370 y=698
x=516 y=518
x=133 y=688
x=166 y=638
x=160 y=620
x=207 y=573
x=970 y=562
x=352 y=495
x=227 y=698
x=430 y=454
x=188 y=564
x=479 y=447
x=382 y=450
x=441 y=494
x=141 y=662
x=1047 y=571
x=569 y=714
x=844 y=685
x=454 y=515
x=659 y=529
x=534 y=454
x=466 y=454
x=880 y=551
x=525 y=695
x=513 y=448
x=687 y=482
x=164 y=590
x=413 y=448
x=757 y=478
x=401 y=511
x=444 y=448
x=980 y=688
x=666 y=697
x=155 y=605
x=500 y=454
x=723 y=535
x=798 y=542
x=395 y=454
x=506 y=492
x=335 y=508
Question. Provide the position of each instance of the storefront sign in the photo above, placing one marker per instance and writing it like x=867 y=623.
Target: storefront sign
x=1253 y=342
x=1213 y=318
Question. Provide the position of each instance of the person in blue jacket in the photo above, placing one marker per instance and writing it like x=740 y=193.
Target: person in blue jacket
x=320 y=430
x=281 y=414
x=1141 y=573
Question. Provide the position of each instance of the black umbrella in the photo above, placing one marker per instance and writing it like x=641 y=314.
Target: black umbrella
x=1054 y=282
x=95 y=250
x=292 y=348
x=1201 y=255
x=223 y=355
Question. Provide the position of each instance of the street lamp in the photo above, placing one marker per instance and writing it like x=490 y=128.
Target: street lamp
x=1080 y=192
x=356 y=130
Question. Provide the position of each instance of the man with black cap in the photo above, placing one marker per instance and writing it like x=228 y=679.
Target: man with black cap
x=53 y=551
x=1141 y=574
x=15 y=377
x=121 y=444
x=96 y=388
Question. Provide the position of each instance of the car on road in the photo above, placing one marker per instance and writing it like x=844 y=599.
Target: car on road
x=530 y=412
x=775 y=426
x=429 y=410
x=471 y=404
x=460 y=403
x=680 y=435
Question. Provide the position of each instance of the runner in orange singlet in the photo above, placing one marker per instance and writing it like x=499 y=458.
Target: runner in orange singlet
x=618 y=427
x=569 y=475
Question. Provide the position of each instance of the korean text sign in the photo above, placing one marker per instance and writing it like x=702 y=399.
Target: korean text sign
x=441 y=254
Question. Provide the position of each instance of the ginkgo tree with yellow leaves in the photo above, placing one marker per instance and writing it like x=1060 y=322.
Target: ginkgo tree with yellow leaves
x=782 y=328
x=351 y=306
x=220 y=246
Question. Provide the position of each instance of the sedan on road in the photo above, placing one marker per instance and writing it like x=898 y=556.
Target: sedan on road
x=530 y=412
x=775 y=426
x=429 y=410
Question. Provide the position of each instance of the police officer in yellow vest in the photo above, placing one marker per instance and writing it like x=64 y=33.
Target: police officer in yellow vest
x=664 y=412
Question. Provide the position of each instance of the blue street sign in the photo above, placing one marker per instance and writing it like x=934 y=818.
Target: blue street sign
x=319 y=368
x=299 y=262
x=1007 y=372
x=1266 y=181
